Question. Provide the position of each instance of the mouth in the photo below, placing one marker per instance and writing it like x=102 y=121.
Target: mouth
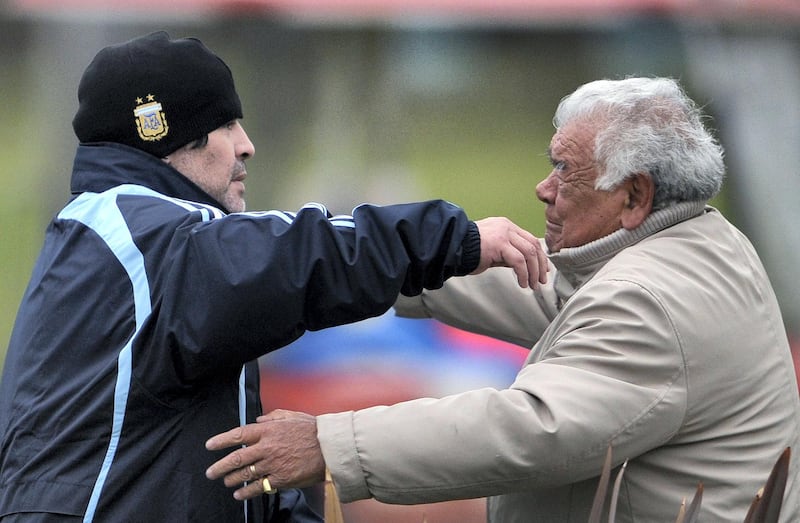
x=551 y=234
x=239 y=172
x=550 y=224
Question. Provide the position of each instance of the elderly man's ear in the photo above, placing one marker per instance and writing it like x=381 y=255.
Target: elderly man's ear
x=639 y=201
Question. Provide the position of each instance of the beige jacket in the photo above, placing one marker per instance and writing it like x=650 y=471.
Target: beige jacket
x=666 y=341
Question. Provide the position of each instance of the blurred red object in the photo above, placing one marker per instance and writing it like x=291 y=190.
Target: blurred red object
x=386 y=360
x=383 y=361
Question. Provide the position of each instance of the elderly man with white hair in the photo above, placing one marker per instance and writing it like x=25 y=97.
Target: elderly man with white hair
x=658 y=333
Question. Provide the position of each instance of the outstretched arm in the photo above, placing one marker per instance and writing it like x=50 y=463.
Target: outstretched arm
x=281 y=274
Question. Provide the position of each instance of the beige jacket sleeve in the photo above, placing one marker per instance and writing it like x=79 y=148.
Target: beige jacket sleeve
x=656 y=353
x=577 y=393
x=490 y=303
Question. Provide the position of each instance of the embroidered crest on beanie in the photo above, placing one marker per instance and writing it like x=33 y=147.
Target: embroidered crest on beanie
x=151 y=122
x=155 y=94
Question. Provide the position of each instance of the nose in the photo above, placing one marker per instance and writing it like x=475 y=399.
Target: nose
x=545 y=190
x=244 y=147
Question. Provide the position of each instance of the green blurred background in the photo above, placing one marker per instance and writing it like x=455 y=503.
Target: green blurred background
x=357 y=103
x=388 y=108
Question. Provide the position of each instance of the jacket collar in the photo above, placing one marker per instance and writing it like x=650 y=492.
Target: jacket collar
x=577 y=265
x=103 y=165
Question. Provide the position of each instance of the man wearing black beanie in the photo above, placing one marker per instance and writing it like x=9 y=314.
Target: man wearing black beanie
x=155 y=293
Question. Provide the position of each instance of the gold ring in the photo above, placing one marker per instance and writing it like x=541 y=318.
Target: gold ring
x=253 y=471
x=267 y=487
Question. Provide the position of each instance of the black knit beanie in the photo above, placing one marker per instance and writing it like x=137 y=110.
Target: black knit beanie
x=155 y=94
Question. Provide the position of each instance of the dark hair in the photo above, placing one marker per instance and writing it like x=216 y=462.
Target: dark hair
x=199 y=143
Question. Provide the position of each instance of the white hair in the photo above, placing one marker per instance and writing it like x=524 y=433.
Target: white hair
x=648 y=125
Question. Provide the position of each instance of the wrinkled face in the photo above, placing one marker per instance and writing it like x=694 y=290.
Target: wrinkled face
x=218 y=167
x=576 y=213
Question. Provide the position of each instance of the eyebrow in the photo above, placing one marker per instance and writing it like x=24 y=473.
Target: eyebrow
x=553 y=160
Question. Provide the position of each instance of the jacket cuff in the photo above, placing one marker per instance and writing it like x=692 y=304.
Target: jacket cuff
x=336 y=436
x=470 y=250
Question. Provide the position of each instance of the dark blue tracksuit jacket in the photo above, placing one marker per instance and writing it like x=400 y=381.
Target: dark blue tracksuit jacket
x=137 y=337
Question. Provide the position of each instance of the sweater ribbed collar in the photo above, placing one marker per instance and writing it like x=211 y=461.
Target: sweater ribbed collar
x=576 y=265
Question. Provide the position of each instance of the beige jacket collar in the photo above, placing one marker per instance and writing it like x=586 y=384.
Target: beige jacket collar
x=576 y=265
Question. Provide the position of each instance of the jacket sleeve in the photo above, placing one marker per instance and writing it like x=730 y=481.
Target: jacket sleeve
x=610 y=370
x=248 y=283
x=490 y=303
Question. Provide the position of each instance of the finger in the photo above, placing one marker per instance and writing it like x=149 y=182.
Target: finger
x=249 y=491
x=544 y=264
x=277 y=414
x=518 y=262
x=526 y=235
x=525 y=243
x=233 y=438
x=532 y=264
x=244 y=474
x=232 y=463
x=536 y=263
x=530 y=268
x=535 y=257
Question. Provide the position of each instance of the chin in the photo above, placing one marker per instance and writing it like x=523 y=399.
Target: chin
x=235 y=206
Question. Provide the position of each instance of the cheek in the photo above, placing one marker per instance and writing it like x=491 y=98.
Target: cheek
x=569 y=205
x=217 y=172
x=579 y=216
x=600 y=218
x=210 y=162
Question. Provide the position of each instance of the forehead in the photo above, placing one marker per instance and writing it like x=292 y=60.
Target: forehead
x=575 y=138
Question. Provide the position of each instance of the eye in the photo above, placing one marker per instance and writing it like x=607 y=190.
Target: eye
x=559 y=171
x=230 y=125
